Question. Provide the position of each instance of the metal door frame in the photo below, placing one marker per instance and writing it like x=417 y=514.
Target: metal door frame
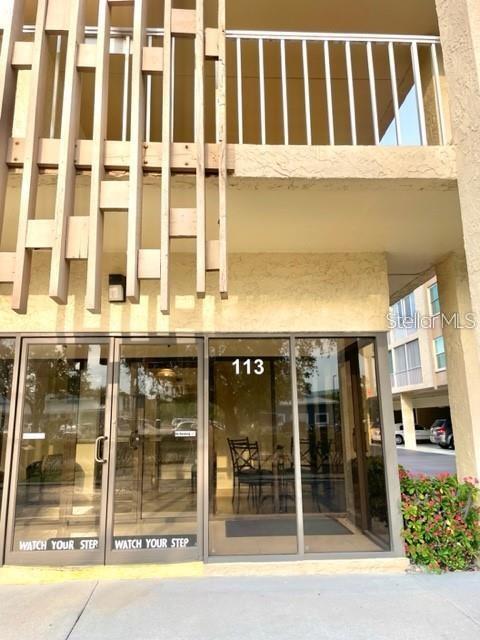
x=9 y=445
x=56 y=558
x=168 y=555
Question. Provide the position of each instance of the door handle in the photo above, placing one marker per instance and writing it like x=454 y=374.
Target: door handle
x=98 y=441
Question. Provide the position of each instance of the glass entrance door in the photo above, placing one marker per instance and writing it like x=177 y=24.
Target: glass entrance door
x=59 y=475
x=106 y=465
x=154 y=470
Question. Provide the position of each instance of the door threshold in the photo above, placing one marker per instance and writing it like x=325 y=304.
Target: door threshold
x=15 y=574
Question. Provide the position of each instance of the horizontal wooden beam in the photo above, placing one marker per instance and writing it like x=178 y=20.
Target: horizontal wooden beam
x=87 y=54
x=22 y=55
x=86 y=57
x=183 y=223
x=152 y=60
x=114 y=195
x=269 y=161
x=183 y=22
x=40 y=234
x=58 y=17
x=149 y=264
x=117 y=155
x=7 y=266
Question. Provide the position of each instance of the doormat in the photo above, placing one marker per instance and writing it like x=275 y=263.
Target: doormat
x=255 y=527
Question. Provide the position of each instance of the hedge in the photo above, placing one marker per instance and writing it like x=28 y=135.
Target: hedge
x=441 y=521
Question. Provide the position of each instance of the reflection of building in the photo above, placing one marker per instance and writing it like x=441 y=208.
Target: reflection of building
x=226 y=192
x=417 y=360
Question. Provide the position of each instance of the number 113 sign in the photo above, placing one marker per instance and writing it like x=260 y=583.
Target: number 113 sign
x=249 y=366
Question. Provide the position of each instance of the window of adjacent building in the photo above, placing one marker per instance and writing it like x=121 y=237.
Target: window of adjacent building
x=434 y=299
x=407 y=364
x=413 y=355
x=403 y=313
x=440 y=357
x=390 y=361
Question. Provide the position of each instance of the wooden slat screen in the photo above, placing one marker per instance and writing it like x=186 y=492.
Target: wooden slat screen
x=81 y=237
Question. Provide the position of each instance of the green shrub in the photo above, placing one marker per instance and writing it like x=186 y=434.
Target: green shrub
x=441 y=521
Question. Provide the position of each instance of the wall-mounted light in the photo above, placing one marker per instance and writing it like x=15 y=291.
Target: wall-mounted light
x=117 y=284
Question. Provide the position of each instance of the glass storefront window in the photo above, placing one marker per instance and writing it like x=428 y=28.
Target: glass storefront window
x=343 y=482
x=7 y=356
x=252 y=483
x=58 y=492
x=108 y=455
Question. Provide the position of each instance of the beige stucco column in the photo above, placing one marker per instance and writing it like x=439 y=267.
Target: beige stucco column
x=459 y=22
x=463 y=363
x=459 y=279
x=408 y=420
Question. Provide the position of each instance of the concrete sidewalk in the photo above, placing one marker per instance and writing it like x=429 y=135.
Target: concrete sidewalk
x=350 y=607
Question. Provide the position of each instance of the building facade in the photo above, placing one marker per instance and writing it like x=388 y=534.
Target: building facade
x=207 y=208
x=417 y=362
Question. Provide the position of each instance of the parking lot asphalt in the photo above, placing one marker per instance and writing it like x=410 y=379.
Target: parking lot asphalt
x=428 y=459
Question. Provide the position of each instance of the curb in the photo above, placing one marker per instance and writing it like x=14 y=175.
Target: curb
x=14 y=575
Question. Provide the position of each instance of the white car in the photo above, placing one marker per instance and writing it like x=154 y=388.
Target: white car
x=422 y=434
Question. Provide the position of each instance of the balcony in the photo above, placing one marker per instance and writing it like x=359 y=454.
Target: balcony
x=299 y=91
x=283 y=88
x=335 y=89
x=92 y=107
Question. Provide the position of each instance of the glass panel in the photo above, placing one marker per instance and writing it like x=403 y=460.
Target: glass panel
x=343 y=484
x=440 y=353
x=434 y=299
x=413 y=354
x=252 y=488
x=414 y=362
x=439 y=345
x=375 y=519
x=409 y=304
x=155 y=500
x=441 y=361
x=400 y=359
x=7 y=355
x=59 y=483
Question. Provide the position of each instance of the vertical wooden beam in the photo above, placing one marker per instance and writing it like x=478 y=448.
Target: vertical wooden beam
x=200 y=144
x=95 y=232
x=166 y=160
x=64 y=203
x=28 y=194
x=222 y=148
x=137 y=132
x=12 y=29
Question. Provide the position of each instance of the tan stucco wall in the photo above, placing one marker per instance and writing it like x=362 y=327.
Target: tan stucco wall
x=267 y=292
x=459 y=279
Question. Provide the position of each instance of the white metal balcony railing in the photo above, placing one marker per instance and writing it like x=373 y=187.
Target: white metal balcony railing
x=311 y=88
x=331 y=59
